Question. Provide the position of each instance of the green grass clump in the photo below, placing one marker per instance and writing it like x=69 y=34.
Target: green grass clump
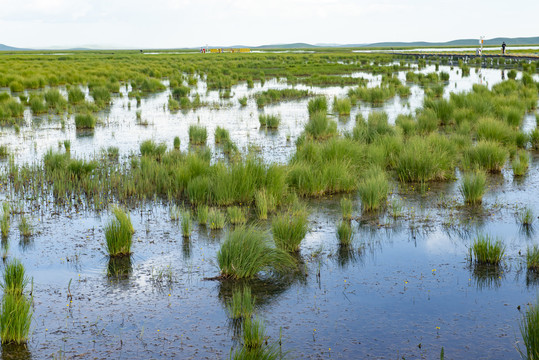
x=485 y=250
x=197 y=135
x=534 y=138
x=118 y=233
x=289 y=229
x=344 y=233
x=374 y=95
x=202 y=214
x=25 y=227
x=221 y=135
x=15 y=319
x=4 y=152
x=101 y=96
x=176 y=143
x=487 y=155
x=526 y=217
x=373 y=129
x=261 y=203
x=85 y=121
x=473 y=187
x=5 y=220
x=495 y=130
x=346 y=208
x=236 y=215
x=317 y=105
x=173 y=104
x=37 y=105
x=426 y=159
x=242 y=304
x=75 y=95
x=520 y=163
x=243 y=101
x=151 y=149
x=273 y=96
x=270 y=121
x=186 y=226
x=320 y=126
x=529 y=330
x=373 y=189
x=342 y=106
x=248 y=251
x=216 y=219
x=14 y=278
x=532 y=258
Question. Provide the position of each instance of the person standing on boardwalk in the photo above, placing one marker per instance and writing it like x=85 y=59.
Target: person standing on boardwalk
x=503 y=48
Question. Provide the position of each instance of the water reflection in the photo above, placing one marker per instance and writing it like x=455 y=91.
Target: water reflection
x=16 y=352
x=265 y=290
x=119 y=267
x=348 y=255
x=532 y=278
x=186 y=248
x=487 y=276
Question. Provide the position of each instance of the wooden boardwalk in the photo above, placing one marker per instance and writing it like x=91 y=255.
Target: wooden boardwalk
x=469 y=55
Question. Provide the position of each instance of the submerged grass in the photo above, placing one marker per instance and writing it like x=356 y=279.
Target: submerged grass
x=247 y=251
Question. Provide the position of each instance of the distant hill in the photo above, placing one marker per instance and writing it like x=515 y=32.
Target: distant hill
x=461 y=42
x=285 y=46
x=10 y=48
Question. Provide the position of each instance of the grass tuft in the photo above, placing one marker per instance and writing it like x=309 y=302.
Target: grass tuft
x=473 y=187
x=236 y=215
x=344 y=233
x=373 y=189
x=485 y=250
x=186 y=226
x=216 y=219
x=197 y=135
x=247 y=251
x=529 y=330
x=118 y=233
x=289 y=229
x=15 y=319
x=14 y=278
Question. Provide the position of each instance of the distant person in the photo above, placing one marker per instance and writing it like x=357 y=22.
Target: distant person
x=503 y=48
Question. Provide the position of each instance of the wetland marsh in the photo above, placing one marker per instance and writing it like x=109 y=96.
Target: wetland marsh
x=367 y=177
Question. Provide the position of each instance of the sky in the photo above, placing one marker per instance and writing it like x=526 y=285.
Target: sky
x=162 y=24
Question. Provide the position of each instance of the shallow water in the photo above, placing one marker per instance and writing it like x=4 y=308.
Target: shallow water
x=405 y=289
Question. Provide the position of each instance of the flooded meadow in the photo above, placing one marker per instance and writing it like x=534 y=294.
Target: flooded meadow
x=404 y=284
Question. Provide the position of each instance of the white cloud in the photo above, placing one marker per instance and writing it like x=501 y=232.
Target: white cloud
x=173 y=23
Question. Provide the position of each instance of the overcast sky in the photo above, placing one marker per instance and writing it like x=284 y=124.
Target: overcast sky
x=192 y=23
